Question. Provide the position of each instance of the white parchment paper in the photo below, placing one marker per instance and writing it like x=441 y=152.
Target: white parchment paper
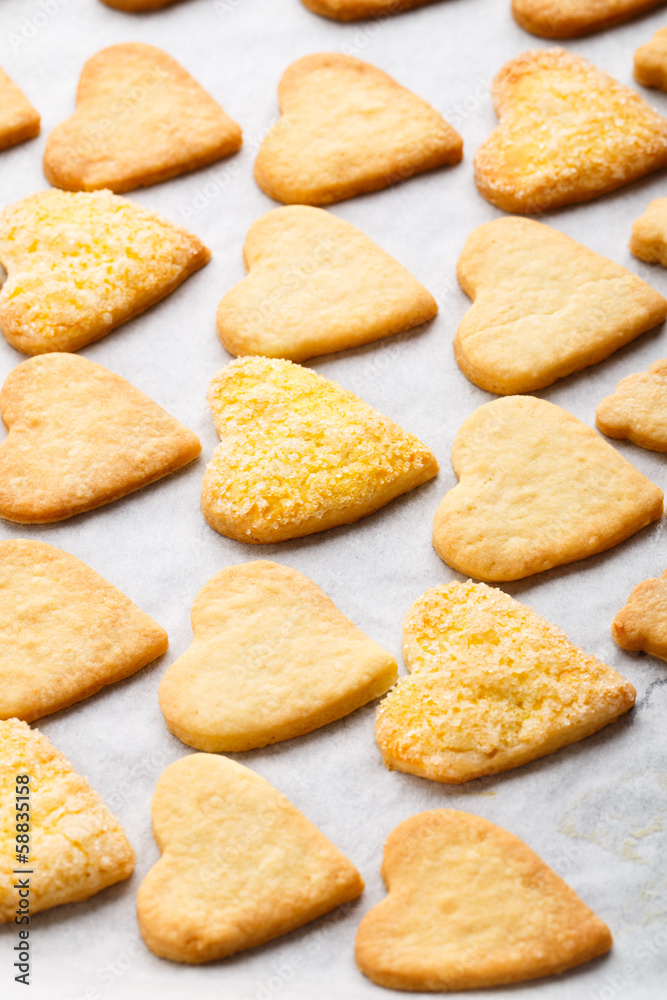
x=597 y=811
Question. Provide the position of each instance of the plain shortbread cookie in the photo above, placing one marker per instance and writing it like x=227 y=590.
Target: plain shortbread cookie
x=538 y=488
x=140 y=119
x=572 y=18
x=544 y=306
x=470 y=906
x=18 y=119
x=80 y=436
x=316 y=284
x=641 y=624
x=272 y=657
x=64 y=631
x=346 y=127
x=637 y=409
x=240 y=864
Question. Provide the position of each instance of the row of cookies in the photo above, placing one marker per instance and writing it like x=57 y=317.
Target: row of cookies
x=547 y=18
x=141 y=119
x=299 y=454
x=273 y=658
x=241 y=865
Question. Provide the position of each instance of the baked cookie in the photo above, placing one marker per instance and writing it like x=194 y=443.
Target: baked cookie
x=18 y=119
x=140 y=119
x=357 y=10
x=470 y=905
x=568 y=19
x=568 y=132
x=240 y=864
x=649 y=234
x=272 y=658
x=317 y=284
x=651 y=61
x=81 y=264
x=299 y=454
x=64 y=631
x=637 y=409
x=79 y=437
x=642 y=621
x=74 y=846
x=346 y=128
x=544 y=306
x=537 y=489
x=492 y=685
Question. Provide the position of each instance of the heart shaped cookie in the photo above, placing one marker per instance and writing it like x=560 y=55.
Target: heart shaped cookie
x=240 y=864
x=649 y=233
x=65 y=631
x=317 y=284
x=18 y=119
x=565 y=19
x=74 y=847
x=299 y=454
x=346 y=128
x=492 y=686
x=272 y=658
x=544 y=306
x=641 y=624
x=637 y=409
x=79 y=437
x=537 y=489
x=568 y=133
x=81 y=264
x=651 y=61
x=140 y=119
x=469 y=906
x=357 y=10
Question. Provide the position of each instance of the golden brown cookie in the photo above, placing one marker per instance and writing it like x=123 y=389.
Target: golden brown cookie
x=470 y=906
x=140 y=119
x=79 y=437
x=64 y=631
x=651 y=61
x=357 y=10
x=544 y=306
x=492 y=685
x=538 y=488
x=346 y=128
x=18 y=119
x=637 y=409
x=240 y=864
x=272 y=658
x=81 y=264
x=649 y=233
x=299 y=454
x=572 y=18
x=316 y=284
x=642 y=621
x=567 y=133
x=73 y=847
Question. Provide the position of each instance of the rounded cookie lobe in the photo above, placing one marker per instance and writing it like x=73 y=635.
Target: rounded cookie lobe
x=347 y=127
x=469 y=905
x=637 y=409
x=18 y=119
x=641 y=624
x=651 y=61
